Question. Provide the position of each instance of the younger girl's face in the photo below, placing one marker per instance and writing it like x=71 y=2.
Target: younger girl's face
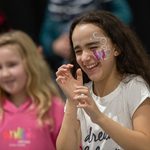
x=13 y=77
x=94 y=51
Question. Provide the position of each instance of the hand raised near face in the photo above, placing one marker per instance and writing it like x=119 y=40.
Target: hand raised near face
x=66 y=81
x=84 y=100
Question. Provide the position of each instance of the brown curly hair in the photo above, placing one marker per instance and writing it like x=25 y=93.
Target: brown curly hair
x=133 y=58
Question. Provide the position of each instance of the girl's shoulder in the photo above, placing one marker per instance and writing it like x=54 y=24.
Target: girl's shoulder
x=132 y=77
x=57 y=107
x=57 y=104
x=136 y=91
x=134 y=81
x=56 y=111
x=57 y=101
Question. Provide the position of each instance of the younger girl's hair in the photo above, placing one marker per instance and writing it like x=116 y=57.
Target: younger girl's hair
x=40 y=86
x=132 y=58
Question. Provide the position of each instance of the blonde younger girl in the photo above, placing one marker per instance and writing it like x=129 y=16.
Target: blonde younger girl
x=31 y=110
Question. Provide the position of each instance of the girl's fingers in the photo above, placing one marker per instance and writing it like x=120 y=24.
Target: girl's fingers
x=61 y=71
x=79 y=76
x=82 y=105
x=80 y=98
x=64 y=70
x=81 y=90
x=60 y=79
x=65 y=67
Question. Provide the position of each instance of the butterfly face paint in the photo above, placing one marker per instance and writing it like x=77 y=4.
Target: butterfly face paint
x=103 y=52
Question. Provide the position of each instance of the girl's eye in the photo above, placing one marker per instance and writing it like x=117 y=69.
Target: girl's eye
x=77 y=51
x=93 y=48
x=12 y=64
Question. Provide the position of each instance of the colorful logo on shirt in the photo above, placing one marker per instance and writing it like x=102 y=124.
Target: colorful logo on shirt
x=18 y=137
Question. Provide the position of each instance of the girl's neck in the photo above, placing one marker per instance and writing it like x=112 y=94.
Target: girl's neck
x=18 y=100
x=106 y=86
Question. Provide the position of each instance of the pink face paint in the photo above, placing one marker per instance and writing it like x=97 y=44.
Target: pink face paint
x=102 y=54
x=103 y=51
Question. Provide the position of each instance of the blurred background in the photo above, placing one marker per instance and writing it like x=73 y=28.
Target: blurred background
x=48 y=21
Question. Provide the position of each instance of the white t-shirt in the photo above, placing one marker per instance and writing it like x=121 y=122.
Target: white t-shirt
x=119 y=105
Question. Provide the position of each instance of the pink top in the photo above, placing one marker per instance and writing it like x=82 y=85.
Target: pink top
x=19 y=129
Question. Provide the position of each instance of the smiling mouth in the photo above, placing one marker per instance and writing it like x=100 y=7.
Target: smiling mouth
x=89 y=67
x=8 y=82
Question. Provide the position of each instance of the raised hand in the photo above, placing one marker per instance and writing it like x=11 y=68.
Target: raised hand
x=66 y=81
x=83 y=98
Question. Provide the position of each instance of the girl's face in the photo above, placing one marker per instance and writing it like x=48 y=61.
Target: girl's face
x=13 y=76
x=94 y=51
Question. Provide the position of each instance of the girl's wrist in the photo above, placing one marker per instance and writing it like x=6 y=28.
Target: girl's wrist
x=70 y=106
x=99 y=118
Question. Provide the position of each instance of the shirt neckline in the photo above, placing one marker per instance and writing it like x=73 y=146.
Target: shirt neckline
x=108 y=97
x=10 y=107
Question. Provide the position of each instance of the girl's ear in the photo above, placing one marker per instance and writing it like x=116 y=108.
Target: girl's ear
x=116 y=53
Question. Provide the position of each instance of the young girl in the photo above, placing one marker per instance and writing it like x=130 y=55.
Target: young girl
x=110 y=109
x=31 y=110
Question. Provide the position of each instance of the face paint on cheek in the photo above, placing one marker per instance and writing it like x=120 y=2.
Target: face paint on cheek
x=103 y=51
x=101 y=54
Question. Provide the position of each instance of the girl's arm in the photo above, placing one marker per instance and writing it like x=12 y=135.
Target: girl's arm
x=69 y=136
x=136 y=139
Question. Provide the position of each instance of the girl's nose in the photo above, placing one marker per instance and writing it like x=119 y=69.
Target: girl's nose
x=86 y=56
x=4 y=72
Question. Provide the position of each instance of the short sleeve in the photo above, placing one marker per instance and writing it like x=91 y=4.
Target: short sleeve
x=137 y=91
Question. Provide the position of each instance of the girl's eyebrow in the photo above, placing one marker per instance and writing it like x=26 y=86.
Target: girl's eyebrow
x=92 y=43
x=88 y=44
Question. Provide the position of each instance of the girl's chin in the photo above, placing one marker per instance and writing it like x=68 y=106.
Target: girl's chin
x=94 y=77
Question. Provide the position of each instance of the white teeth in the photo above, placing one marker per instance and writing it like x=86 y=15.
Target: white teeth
x=91 y=66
